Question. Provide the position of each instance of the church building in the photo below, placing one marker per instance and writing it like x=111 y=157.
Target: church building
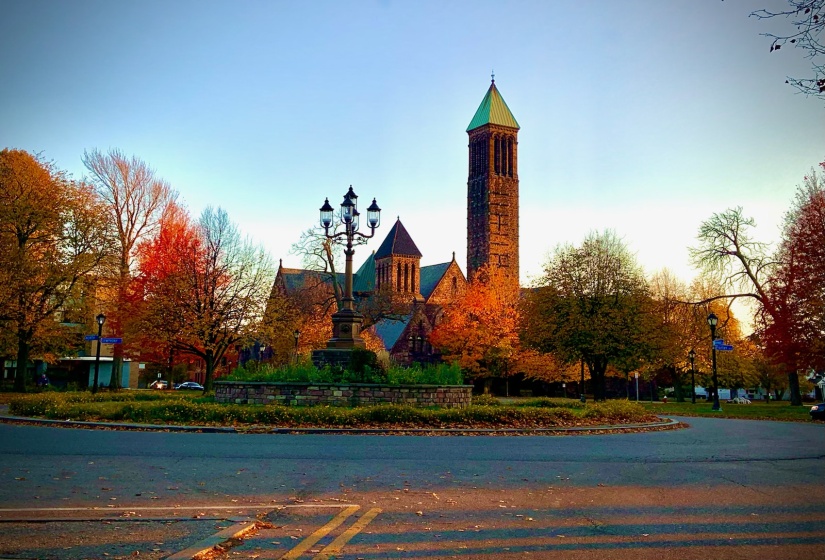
x=492 y=240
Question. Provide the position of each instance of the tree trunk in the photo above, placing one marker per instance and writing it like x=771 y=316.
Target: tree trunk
x=117 y=368
x=597 y=376
x=678 y=386
x=209 y=363
x=793 y=387
x=22 y=370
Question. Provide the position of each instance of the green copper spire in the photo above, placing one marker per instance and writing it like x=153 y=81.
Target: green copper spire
x=493 y=110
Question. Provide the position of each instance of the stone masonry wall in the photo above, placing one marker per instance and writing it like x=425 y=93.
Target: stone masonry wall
x=342 y=394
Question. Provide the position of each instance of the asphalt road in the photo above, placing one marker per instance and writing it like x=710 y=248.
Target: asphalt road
x=643 y=493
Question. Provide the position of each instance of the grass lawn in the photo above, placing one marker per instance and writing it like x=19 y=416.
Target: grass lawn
x=775 y=410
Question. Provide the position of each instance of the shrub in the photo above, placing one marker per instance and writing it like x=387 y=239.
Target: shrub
x=546 y=402
x=368 y=370
x=615 y=411
x=174 y=408
x=485 y=400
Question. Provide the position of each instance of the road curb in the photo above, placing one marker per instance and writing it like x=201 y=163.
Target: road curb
x=665 y=424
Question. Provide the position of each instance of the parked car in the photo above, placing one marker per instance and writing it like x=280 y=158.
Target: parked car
x=159 y=384
x=190 y=385
x=818 y=411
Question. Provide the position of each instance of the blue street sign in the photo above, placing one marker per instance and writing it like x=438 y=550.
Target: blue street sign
x=724 y=347
x=91 y=337
x=111 y=340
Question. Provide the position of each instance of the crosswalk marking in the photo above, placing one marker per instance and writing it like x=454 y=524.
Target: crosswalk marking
x=335 y=546
x=312 y=539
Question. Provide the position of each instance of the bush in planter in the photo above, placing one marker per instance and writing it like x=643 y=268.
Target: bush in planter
x=364 y=368
x=368 y=370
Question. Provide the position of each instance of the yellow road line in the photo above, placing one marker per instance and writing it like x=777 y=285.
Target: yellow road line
x=335 y=546
x=311 y=540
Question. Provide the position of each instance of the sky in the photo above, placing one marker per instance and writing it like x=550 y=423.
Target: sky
x=641 y=116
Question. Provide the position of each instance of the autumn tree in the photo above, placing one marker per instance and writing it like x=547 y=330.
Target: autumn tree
x=807 y=18
x=135 y=198
x=324 y=257
x=480 y=329
x=797 y=282
x=320 y=254
x=591 y=304
x=54 y=236
x=215 y=293
x=786 y=284
x=155 y=320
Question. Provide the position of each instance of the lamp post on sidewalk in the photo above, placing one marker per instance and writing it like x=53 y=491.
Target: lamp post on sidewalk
x=101 y=318
x=692 y=358
x=713 y=320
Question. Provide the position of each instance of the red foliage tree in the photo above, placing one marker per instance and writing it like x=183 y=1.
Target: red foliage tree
x=795 y=334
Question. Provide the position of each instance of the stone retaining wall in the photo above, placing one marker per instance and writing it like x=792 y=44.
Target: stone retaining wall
x=342 y=394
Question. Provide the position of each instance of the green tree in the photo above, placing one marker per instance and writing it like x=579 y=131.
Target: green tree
x=54 y=238
x=592 y=303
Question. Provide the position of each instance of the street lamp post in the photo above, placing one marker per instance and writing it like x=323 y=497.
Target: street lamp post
x=346 y=322
x=101 y=318
x=297 y=334
x=261 y=354
x=692 y=358
x=713 y=320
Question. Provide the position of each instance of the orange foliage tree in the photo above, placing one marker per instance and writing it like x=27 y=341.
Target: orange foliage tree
x=135 y=199
x=204 y=288
x=480 y=330
x=55 y=237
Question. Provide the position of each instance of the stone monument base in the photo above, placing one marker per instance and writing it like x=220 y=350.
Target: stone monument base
x=334 y=357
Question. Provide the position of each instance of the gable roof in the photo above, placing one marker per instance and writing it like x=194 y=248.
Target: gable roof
x=296 y=279
x=397 y=242
x=364 y=279
x=389 y=330
x=430 y=276
x=493 y=110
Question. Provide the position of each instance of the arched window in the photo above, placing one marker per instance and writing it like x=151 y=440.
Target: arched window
x=497 y=155
x=406 y=277
x=454 y=288
x=398 y=279
x=412 y=278
x=511 y=160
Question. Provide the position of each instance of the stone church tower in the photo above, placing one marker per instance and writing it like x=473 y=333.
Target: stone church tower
x=492 y=188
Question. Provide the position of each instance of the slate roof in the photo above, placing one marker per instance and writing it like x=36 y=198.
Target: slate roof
x=397 y=242
x=364 y=279
x=297 y=278
x=493 y=110
x=390 y=330
x=430 y=276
